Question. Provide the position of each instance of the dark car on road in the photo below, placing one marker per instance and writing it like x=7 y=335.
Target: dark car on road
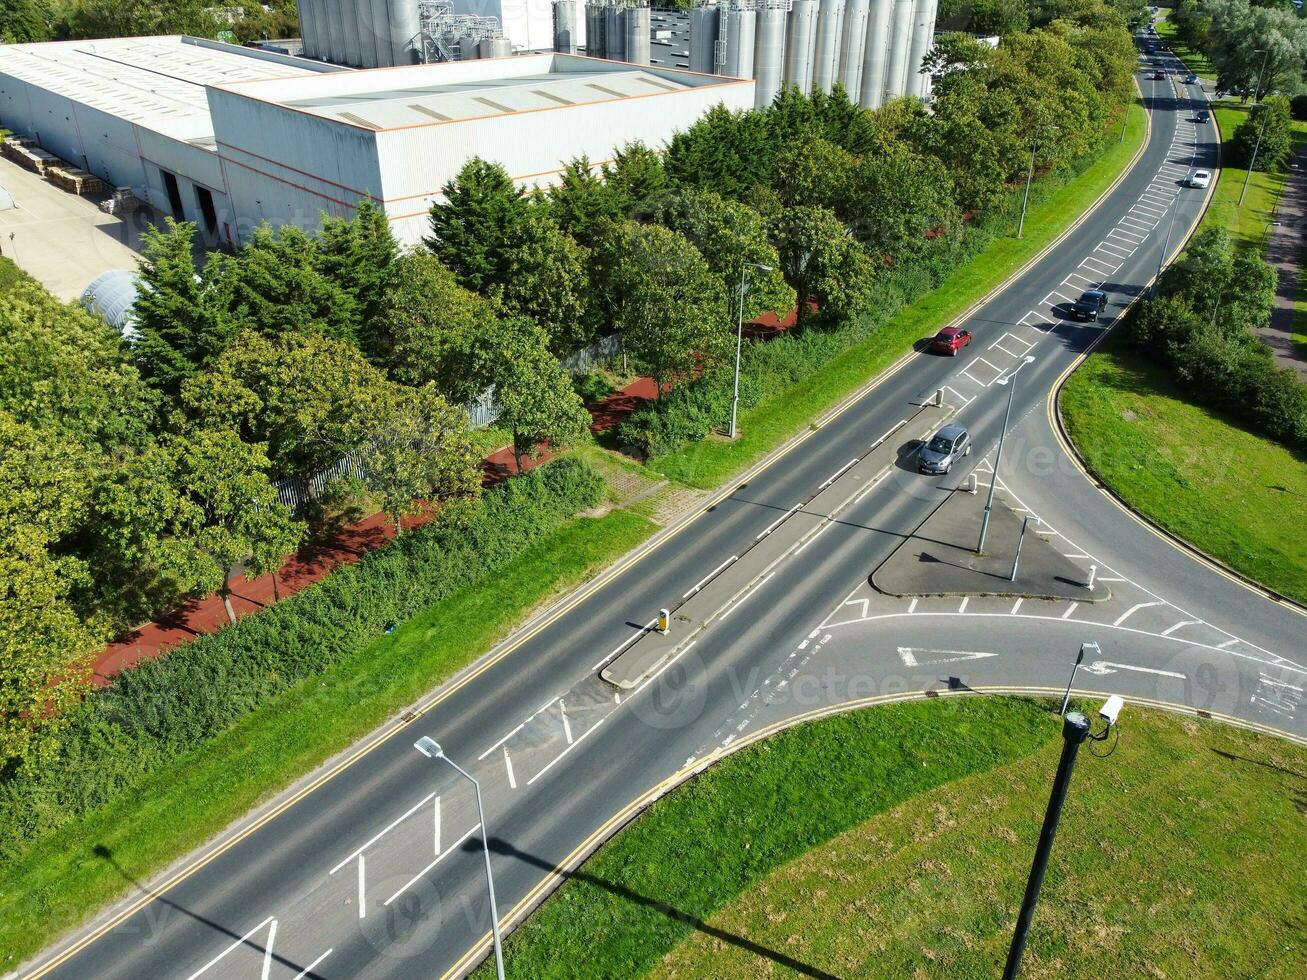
x=1091 y=303
x=945 y=448
x=950 y=340
x=1202 y=116
x=1191 y=79
x=1157 y=75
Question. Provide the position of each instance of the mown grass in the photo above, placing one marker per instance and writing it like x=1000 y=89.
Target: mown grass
x=766 y=426
x=692 y=853
x=1249 y=223
x=908 y=856
x=1173 y=859
x=1203 y=477
x=64 y=878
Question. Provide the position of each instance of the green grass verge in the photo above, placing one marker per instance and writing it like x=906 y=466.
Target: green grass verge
x=63 y=878
x=909 y=855
x=1250 y=222
x=697 y=849
x=1169 y=862
x=766 y=426
x=1300 y=307
x=1201 y=476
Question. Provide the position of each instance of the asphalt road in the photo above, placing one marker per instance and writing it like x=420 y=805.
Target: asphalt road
x=376 y=871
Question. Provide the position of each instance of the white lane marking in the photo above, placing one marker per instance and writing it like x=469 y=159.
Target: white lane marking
x=389 y=827
x=1110 y=578
x=836 y=475
x=1106 y=265
x=1227 y=643
x=826 y=525
x=1156 y=211
x=1108 y=667
x=893 y=429
x=912 y=606
x=238 y=942
x=1070 y=609
x=1130 y=236
x=620 y=647
x=309 y=969
x=864 y=603
x=436 y=828
x=508 y=766
x=267 y=952
x=963 y=608
x=412 y=881
x=1135 y=221
x=910 y=659
x=703 y=581
x=363 y=879
x=771 y=527
x=595 y=727
x=747 y=595
x=1181 y=625
x=567 y=725
x=1017 y=605
x=1115 y=251
x=1132 y=610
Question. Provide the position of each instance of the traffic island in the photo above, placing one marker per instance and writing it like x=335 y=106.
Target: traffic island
x=939 y=558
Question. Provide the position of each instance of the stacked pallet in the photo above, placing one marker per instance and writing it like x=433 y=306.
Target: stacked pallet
x=74 y=180
x=29 y=155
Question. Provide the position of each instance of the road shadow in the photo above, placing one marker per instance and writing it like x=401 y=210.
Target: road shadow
x=1258 y=762
x=106 y=855
x=506 y=849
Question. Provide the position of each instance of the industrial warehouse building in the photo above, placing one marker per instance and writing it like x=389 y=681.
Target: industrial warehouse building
x=229 y=137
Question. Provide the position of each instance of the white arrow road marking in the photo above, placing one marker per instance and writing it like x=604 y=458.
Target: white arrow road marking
x=1107 y=667
x=910 y=659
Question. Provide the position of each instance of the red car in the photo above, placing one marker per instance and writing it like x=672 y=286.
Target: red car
x=950 y=340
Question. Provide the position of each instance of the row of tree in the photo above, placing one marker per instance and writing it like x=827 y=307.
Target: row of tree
x=1248 y=42
x=62 y=20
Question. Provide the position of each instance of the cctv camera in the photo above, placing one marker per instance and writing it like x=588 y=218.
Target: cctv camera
x=1111 y=710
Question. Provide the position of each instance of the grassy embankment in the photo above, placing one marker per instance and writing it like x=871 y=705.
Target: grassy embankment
x=909 y=855
x=56 y=883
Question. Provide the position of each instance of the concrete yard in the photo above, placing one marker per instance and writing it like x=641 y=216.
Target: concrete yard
x=60 y=239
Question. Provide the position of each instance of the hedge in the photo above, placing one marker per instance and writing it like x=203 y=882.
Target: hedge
x=166 y=707
x=691 y=411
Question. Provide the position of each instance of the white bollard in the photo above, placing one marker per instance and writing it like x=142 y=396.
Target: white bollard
x=1093 y=570
x=973 y=485
x=937 y=399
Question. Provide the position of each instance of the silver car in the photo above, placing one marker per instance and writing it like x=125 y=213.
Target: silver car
x=945 y=447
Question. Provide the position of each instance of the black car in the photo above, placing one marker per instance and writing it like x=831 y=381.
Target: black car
x=1202 y=116
x=1158 y=75
x=1091 y=303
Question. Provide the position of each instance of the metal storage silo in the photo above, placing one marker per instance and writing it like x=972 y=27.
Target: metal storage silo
x=596 y=24
x=875 y=53
x=308 y=15
x=495 y=47
x=852 y=44
x=800 y=33
x=923 y=38
x=334 y=31
x=614 y=33
x=768 y=52
x=830 y=15
x=637 y=35
x=405 y=45
x=738 y=27
x=381 y=30
x=367 y=36
x=565 y=26
x=900 y=37
x=704 y=21
x=350 y=26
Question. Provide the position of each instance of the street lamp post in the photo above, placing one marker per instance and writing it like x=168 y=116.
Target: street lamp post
x=1257 y=92
x=1166 y=246
x=1075 y=729
x=1252 y=164
x=431 y=749
x=1030 y=176
x=1010 y=381
x=739 y=336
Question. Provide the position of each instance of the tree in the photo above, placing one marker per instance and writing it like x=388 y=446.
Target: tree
x=997 y=17
x=215 y=510
x=309 y=400
x=182 y=317
x=724 y=150
x=1269 y=124
x=1247 y=43
x=65 y=371
x=481 y=216
x=638 y=179
x=419 y=449
x=813 y=172
x=359 y=255
x=279 y=286
x=544 y=279
x=823 y=263
x=582 y=203
x=430 y=328
x=23 y=21
x=537 y=402
x=672 y=314
x=730 y=235
x=895 y=200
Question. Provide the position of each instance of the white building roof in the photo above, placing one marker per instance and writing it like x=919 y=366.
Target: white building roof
x=155 y=82
x=448 y=101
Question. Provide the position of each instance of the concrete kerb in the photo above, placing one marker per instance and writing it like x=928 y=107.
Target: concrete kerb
x=1058 y=425
x=183 y=867
x=615 y=824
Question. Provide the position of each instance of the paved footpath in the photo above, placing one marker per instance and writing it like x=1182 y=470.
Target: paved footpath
x=1284 y=252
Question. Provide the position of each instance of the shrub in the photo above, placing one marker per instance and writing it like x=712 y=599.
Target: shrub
x=1270 y=119
x=1298 y=106
x=166 y=707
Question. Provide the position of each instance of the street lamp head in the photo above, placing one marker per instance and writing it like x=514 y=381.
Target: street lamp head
x=429 y=747
x=764 y=268
x=1028 y=359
